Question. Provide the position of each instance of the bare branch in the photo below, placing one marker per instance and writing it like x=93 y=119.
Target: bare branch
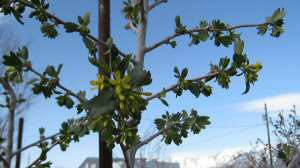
x=195 y=30
x=156 y=3
x=170 y=88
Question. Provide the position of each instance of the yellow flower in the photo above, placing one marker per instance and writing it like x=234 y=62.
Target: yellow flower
x=99 y=83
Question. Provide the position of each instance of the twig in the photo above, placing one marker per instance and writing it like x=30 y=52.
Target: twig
x=195 y=30
x=34 y=144
x=157 y=95
x=5 y=162
x=60 y=21
x=37 y=161
x=68 y=91
x=132 y=26
x=156 y=3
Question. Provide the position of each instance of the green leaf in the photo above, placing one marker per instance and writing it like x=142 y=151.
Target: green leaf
x=93 y=61
x=50 y=70
x=224 y=40
x=90 y=45
x=262 y=29
x=71 y=27
x=160 y=123
x=140 y=77
x=173 y=44
x=224 y=62
x=247 y=88
x=238 y=46
x=100 y=105
x=184 y=73
x=277 y=15
x=86 y=19
x=164 y=102
x=41 y=131
x=49 y=30
x=194 y=89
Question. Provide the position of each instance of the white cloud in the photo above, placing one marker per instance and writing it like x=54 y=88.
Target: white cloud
x=205 y=160
x=274 y=103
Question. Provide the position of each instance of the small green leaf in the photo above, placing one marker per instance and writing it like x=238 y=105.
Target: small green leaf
x=71 y=27
x=262 y=29
x=49 y=30
x=164 y=102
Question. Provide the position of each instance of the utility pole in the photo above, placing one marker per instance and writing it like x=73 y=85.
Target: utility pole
x=19 y=145
x=105 y=153
x=269 y=138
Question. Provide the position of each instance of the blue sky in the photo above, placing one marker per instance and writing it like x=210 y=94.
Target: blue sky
x=236 y=118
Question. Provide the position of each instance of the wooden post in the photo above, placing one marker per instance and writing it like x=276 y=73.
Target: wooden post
x=105 y=154
x=269 y=138
x=20 y=139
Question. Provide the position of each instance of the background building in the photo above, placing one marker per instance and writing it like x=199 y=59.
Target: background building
x=92 y=162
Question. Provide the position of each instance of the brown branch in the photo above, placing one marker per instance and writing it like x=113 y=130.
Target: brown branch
x=151 y=138
x=34 y=144
x=38 y=160
x=5 y=162
x=11 y=116
x=195 y=30
x=156 y=3
x=68 y=91
x=172 y=87
x=59 y=21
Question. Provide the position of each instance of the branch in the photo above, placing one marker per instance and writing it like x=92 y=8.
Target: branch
x=131 y=26
x=59 y=21
x=38 y=160
x=34 y=144
x=195 y=30
x=68 y=91
x=157 y=95
x=152 y=137
x=5 y=162
x=3 y=106
x=156 y=3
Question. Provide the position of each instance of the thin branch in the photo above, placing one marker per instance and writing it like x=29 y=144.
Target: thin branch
x=132 y=26
x=195 y=30
x=34 y=144
x=172 y=87
x=38 y=160
x=59 y=21
x=4 y=106
x=68 y=91
x=151 y=138
x=156 y=3
x=5 y=162
x=11 y=116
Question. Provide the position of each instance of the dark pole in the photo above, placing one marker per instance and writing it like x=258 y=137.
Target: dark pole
x=269 y=138
x=105 y=154
x=19 y=145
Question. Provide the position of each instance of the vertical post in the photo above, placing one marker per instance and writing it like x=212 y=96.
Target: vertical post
x=105 y=154
x=19 y=145
x=269 y=138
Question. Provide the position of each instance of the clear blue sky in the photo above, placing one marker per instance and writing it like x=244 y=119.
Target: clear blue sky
x=280 y=75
